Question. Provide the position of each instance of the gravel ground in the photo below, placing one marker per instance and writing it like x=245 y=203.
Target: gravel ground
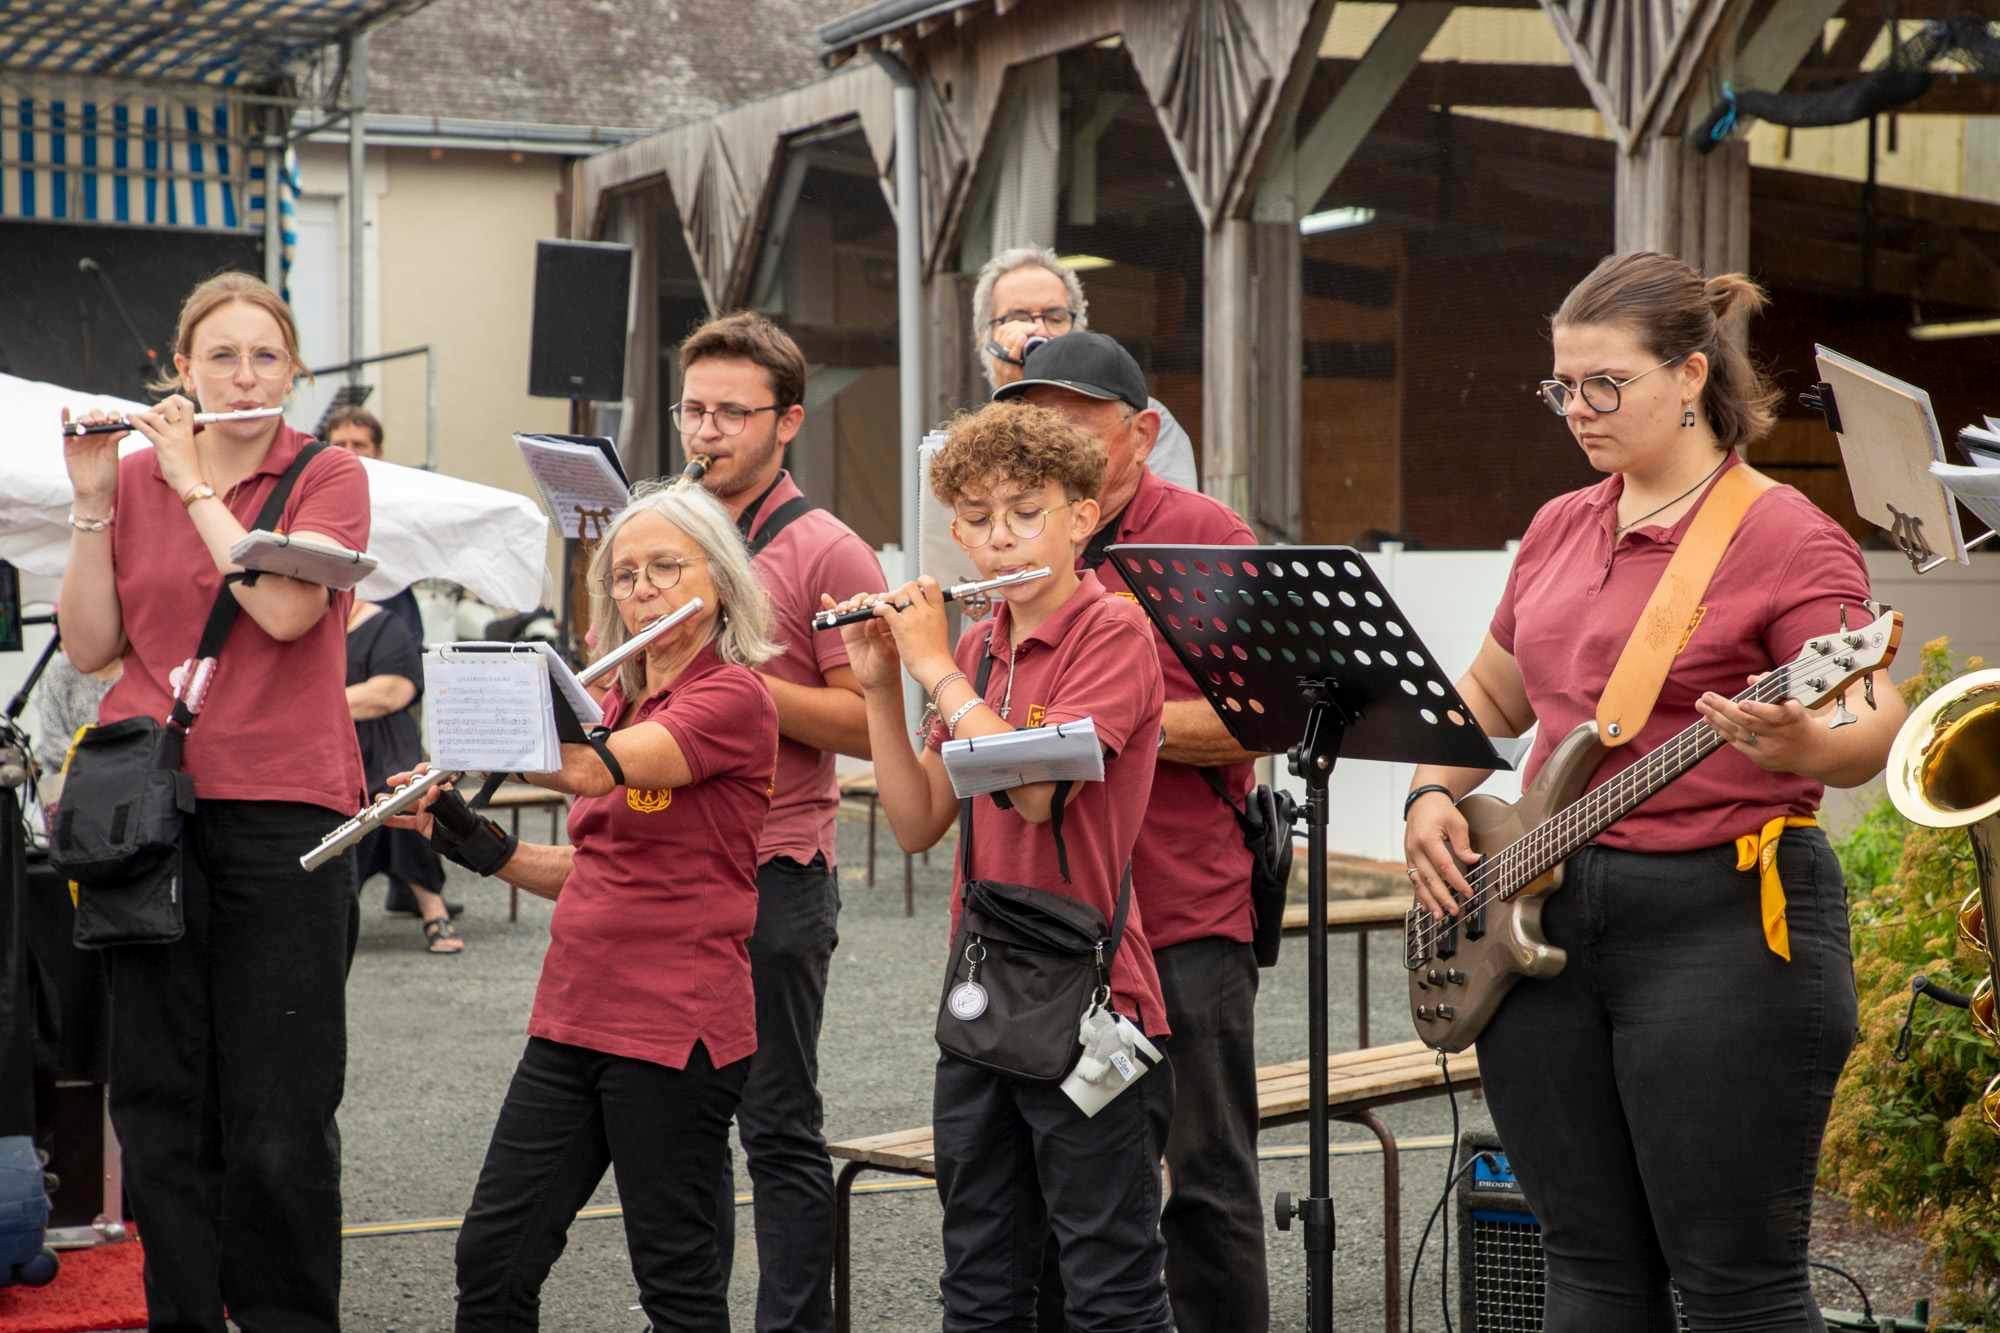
x=434 y=1041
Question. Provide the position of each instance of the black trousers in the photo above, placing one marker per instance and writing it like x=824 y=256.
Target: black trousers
x=568 y=1114
x=781 y=1117
x=1214 y=1216
x=1663 y=1097
x=228 y=1059
x=1017 y=1161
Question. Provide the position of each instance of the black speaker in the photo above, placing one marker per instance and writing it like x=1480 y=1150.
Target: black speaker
x=582 y=289
x=1501 y=1272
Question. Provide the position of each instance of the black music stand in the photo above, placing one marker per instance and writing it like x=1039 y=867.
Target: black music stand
x=1301 y=652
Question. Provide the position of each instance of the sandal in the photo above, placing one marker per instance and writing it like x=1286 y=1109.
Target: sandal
x=438 y=933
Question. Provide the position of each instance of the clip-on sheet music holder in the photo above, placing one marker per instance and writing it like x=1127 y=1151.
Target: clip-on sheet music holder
x=1301 y=652
x=1889 y=438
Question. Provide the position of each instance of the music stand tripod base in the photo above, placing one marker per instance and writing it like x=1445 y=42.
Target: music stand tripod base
x=1301 y=651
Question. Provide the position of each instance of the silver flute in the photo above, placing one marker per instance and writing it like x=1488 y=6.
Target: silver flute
x=411 y=792
x=201 y=419
x=956 y=593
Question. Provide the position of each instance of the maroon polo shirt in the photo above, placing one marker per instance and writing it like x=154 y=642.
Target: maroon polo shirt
x=1191 y=869
x=275 y=726
x=1093 y=658
x=647 y=952
x=816 y=553
x=1575 y=593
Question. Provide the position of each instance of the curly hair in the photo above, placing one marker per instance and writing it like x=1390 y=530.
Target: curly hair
x=1012 y=441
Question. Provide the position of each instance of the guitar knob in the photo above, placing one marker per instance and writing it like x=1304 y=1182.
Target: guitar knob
x=1424 y=1013
x=1435 y=977
x=1454 y=976
x=1447 y=1012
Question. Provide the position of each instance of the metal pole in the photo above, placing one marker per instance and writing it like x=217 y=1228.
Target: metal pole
x=357 y=211
x=909 y=309
x=431 y=415
x=274 y=234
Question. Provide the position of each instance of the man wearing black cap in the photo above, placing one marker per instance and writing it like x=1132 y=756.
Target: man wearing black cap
x=1190 y=868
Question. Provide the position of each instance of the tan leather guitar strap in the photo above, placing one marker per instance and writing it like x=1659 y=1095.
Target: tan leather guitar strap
x=1669 y=617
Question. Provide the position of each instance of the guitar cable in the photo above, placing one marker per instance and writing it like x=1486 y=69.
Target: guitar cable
x=1453 y=1172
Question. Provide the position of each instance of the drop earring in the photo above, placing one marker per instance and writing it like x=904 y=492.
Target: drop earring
x=1687 y=417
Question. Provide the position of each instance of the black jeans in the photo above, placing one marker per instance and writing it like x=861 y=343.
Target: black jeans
x=781 y=1116
x=228 y=1059
x=568 y=1114
x=1663 y=1097
x=1017 y=1160
x=1214 y=1217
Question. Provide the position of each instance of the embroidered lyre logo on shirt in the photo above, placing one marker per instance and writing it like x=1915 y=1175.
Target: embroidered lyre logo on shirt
x=1035 y=715
x=649 y=800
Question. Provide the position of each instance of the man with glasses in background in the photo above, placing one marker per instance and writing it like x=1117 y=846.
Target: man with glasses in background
x=743 y=384
x=1190 y=867
x=1027 y=292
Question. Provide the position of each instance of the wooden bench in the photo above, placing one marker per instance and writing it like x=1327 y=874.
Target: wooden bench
x=860 y=785
x=514 y=797
x=1357 y=917
x=1357 y=1084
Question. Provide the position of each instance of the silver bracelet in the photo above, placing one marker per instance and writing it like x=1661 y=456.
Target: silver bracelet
x=938 y=688
x=958 y=715
x=91 y=524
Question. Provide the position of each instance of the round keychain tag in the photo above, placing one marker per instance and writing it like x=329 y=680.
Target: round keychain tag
x=967 y=1001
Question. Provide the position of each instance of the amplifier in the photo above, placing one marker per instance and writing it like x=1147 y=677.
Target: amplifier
x=1500 y=1266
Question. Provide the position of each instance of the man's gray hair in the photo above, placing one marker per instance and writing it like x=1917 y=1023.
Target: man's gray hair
x=998 y=267
x=743 y=619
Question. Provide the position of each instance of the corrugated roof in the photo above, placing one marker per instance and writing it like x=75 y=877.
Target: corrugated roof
x=221 y=43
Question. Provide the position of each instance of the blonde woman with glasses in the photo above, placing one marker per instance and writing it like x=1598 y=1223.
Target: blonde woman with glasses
x=644 y=1019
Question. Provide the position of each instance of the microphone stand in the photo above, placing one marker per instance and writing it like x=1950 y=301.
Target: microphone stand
x=151 y=366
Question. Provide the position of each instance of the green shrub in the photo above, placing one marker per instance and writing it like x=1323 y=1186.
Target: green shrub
x=1906 y=1142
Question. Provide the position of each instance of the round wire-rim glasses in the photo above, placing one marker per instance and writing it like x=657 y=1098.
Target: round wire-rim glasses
x=730 y=419
x=662 y=573
x=1600 y=392
x=974 y=533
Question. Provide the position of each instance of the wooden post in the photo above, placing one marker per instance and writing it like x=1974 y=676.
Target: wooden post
x=1692 y=205
x=1228 y=363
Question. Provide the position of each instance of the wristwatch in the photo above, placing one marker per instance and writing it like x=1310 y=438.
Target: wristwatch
x=201 y=490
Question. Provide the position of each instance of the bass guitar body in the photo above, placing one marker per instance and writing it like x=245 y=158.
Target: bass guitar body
x=1461 y=970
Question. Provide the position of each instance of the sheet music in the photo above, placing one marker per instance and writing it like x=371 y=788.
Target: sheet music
x=1065 y=752
x=581 y=486
x=1977 y=488
x=488 y=708
x=1888 y=440
x=573 y=690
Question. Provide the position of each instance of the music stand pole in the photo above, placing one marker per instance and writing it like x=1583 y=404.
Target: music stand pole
x=1311 y=760
x=1300 y=650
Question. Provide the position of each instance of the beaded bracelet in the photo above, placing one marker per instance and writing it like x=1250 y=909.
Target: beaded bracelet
x=938 y=689
x=90 y=524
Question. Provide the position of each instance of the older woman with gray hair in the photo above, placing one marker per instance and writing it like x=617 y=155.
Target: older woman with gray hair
x=644 y=1017
x=1029 y=292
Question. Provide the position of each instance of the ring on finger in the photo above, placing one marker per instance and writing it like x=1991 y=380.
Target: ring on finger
x=1412 y=871
x=1750 y=738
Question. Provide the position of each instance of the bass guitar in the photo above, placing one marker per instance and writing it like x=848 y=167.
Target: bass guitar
x=1462 y=967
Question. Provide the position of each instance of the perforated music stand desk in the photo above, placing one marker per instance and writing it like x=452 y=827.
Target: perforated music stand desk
x=1301 y=652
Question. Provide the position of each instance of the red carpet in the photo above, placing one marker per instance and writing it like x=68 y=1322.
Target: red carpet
x=97 y=1288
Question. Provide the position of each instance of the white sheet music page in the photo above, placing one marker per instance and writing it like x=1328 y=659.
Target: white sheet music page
x=487 y=709
x=1065 y=752
x=1977 y=488
x=580 y=487
x=586 y=709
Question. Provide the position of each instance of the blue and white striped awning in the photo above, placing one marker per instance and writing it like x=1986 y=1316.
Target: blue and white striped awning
x=85 y=153
x=225 y=43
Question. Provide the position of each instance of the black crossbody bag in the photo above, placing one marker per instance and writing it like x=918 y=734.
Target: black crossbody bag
x=125 y=801
x=1026 y=964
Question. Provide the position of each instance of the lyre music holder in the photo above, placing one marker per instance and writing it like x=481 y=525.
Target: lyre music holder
x=1301 y=652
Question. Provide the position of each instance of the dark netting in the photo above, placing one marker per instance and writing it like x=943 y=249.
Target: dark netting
x=1966 y=41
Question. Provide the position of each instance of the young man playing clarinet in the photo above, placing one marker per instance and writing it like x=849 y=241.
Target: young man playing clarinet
x=1016 y=1157
x=1190 y=868
x=742 y=402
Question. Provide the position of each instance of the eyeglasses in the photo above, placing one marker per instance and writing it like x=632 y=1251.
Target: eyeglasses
x=662 y=572
x=1056 y=319
x=730 y=418
x=1600 y=392
x=266 y=363
x=1025 y=522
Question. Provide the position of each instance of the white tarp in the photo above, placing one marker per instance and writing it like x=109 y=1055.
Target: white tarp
x=425 y=525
